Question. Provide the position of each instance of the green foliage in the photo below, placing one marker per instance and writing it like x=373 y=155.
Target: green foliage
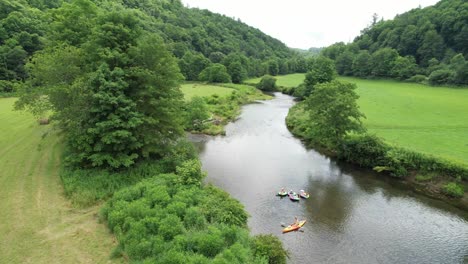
x=190 y=172
x=270 y=248
x=383 y=61
x=115 y=96
x=423 y=35
x=365 y=150
x=219 y=208
x=333 y=112
x=159 y=221
x=197 y=113
x=85 y=187
x=192 y=64
x=321 y=70
x=418 y=78
x=267 y=83
x=425 y=177
x=441 y=76
x=216 y=73
x=453 y=189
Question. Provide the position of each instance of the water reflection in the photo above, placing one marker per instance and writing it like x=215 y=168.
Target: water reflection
x=353 y=215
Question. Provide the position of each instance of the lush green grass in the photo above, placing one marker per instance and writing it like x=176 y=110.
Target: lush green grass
x=423 y=118
x=224 y=102
x=198 y=89
x=37 y=223
x=428 y=119
x=290 y=80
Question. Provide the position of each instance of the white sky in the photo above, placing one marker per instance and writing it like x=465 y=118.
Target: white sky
x=309 y=23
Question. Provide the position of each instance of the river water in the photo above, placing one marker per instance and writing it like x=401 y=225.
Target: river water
x=353 y=216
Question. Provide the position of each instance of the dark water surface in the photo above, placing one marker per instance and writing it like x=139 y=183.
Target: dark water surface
x=353 y=215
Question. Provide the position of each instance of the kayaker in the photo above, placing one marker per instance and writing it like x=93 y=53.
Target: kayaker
x=296 y=222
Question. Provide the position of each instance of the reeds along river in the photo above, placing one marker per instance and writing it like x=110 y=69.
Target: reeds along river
x=354 y=216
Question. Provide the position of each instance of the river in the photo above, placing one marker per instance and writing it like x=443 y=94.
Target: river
x=353 y=215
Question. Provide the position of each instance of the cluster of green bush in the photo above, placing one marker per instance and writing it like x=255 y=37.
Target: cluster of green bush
x=172 y=218
x=369 y=151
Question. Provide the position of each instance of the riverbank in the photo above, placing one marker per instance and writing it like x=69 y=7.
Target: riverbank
x=223 y=102
x=427 y=175
x=427 y=119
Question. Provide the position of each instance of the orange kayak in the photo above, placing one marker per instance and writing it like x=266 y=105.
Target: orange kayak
x=294 y=227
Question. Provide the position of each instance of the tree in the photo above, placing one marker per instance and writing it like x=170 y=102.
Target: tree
x=404 y=67
x=333 y=112
x=237 y=72
x=216 y=73
x=432 y=47
x=362 y=64
x=192 y=64
x=117 y=98
x=383 y=61
x=196 y=113
x=344 y=63
x=273 y=67
x=267 y=83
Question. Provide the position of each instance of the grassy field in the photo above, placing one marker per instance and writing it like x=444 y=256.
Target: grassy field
x=428 y=119
x=37 y=223
x=197 y=89
x=290 y=80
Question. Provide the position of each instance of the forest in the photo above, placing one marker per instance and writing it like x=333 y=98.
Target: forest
x=197 y=38
x=421 y=45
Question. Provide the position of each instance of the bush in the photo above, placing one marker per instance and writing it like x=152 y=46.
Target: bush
x=365 y=150
x=267 y=83
x=7 y=86
x=160 y=220
x=453 y=189
x=270 y=247
x=442 y=76
x=418 y=78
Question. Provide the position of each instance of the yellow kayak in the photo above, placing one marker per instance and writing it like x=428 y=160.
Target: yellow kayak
x=294 y=227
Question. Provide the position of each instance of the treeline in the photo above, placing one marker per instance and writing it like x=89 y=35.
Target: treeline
x=423 y=45
x=199 y=39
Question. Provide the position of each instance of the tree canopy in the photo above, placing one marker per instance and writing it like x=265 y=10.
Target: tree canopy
x=418 y=42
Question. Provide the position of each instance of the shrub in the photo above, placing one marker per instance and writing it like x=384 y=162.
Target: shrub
x=160 y=220
x=267 y=83
x=425 y=177
x=270 y=247
x=418 y=78
x=365 y=150
x=453 y=189
x=441 y=76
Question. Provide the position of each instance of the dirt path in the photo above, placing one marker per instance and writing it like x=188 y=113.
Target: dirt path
x=37 y=223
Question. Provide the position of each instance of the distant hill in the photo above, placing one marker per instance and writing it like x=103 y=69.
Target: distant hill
x=431 y=41
x=311 y=52
x=197 y=38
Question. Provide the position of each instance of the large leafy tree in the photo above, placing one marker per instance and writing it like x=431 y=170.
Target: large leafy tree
x=334 y=112
x=115 y=95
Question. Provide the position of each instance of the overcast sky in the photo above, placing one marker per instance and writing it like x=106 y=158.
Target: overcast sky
x=309 y=23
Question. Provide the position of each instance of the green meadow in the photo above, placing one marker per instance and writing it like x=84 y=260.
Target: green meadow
x=290 y=80
x=423 y=118
x=38 y=224
x=198 y=89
